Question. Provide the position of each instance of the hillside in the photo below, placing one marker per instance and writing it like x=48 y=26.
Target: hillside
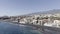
x=46 y=12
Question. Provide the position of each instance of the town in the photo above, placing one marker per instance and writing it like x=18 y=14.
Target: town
x=42 y=19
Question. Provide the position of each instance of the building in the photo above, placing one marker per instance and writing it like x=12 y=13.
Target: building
x=56 y=23
x=23 y=21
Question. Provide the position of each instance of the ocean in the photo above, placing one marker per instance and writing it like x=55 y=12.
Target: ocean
x=9 y=28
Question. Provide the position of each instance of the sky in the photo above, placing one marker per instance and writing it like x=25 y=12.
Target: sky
x=22 y=7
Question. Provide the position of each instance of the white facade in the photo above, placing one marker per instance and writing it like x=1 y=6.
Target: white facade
x=23 y=21
x=56 y=22
x=34 y=21
x=40 y=22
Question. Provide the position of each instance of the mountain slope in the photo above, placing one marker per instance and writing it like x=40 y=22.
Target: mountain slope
x=47 y=12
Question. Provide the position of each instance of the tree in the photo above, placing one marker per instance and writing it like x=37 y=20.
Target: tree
x=18 y=20
x=37 y=19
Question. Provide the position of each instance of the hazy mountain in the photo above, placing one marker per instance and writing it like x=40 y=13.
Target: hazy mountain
x=47 y=12
x=54 y=11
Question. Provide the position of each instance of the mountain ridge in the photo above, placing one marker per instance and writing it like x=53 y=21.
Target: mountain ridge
x=54 y=11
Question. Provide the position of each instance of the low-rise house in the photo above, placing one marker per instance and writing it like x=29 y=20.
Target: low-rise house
x=24 y=21
x=40 y=22
x=56 y=23
x=34 y=22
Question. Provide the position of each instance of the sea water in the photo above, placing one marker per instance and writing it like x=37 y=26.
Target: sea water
x=8 y=28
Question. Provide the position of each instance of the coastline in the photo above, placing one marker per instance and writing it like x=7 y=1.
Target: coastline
x=38 y=27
